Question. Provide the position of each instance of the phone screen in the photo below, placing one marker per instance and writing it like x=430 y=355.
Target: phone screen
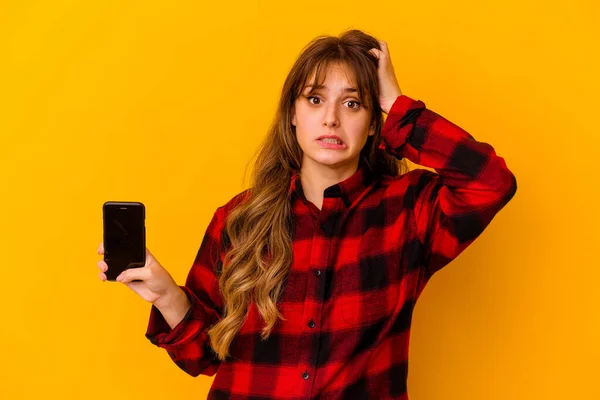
x=124 y=236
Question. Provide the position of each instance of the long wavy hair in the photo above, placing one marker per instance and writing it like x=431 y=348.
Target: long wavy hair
x=257 y=264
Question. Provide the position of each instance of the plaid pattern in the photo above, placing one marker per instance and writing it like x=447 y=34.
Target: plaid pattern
x=359 y=265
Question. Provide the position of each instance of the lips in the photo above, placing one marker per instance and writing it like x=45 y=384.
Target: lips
x=328 y=145
x=330 y=137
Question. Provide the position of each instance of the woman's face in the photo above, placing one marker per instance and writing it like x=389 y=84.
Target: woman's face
x=334 y=109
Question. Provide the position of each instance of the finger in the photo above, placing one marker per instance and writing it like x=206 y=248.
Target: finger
x=132 y=274
x=101 y=248
x=102 y=276
x=149 y=257
x=102 y=266
x=375 y=52
x=384 y=47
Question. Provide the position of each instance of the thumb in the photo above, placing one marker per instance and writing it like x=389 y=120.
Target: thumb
x=149 y=258
x=131 y=274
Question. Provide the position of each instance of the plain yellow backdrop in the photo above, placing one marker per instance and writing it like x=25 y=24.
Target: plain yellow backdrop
x=165 y=103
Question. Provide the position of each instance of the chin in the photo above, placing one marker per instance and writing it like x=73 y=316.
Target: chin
x=332 y=160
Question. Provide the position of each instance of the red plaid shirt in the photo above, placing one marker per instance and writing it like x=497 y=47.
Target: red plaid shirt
x=359 y=265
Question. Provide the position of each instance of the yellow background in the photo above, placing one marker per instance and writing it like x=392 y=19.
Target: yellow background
x=165 y=102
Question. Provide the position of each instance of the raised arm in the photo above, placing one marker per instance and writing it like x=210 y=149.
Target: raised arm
x=471 y=184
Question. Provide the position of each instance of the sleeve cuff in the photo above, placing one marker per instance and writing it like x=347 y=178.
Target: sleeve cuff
x=400 y=122
x=160 y=333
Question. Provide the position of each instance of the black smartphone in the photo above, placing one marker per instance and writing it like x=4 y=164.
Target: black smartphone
x=124 y=236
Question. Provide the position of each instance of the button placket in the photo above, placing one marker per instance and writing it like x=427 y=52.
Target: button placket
x=325 y=228
x=329 y=216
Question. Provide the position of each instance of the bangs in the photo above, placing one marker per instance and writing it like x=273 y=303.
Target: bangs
x=352 y=68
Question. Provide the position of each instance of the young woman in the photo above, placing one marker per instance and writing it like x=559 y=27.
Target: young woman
x=305 y=284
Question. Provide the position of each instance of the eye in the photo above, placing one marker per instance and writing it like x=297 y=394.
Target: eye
x=312 y=97
x=355 y=103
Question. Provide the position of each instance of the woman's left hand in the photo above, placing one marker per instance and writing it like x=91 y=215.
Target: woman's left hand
x=389 y=89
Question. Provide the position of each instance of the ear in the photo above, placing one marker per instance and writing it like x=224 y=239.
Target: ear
x=372 y=128
x=293 y=110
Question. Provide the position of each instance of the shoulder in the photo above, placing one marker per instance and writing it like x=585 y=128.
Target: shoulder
x=224 y=209
x=219 y=218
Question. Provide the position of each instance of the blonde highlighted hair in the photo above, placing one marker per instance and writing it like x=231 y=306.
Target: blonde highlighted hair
x=257 y=264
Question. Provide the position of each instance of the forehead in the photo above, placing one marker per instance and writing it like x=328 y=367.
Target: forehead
x=334 y=75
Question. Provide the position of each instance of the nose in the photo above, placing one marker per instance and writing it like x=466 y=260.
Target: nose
x=330 y=119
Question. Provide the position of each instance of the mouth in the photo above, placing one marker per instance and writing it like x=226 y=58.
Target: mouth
x=330 y=143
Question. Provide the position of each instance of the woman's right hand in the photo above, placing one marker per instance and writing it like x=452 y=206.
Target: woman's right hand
x=155 y=283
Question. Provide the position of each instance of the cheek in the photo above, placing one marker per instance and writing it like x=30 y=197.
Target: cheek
x=305 y=118
x=359 y=128
x=302 y=136
x=306 y=125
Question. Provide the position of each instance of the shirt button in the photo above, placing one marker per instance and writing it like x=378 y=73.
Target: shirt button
x=317 y=272
x=305 y=375
x=311 y=324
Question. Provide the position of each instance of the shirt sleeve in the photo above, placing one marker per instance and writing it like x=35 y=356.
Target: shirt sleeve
x=187 y=343
x=471 y=184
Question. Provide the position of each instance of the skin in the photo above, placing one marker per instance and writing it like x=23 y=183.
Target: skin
x=330 y=110
x=334 y=110
x=321 y=168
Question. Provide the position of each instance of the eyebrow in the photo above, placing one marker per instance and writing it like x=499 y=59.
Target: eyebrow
x=347 y=89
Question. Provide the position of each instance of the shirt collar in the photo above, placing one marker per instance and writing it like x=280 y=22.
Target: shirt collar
x=348 y=189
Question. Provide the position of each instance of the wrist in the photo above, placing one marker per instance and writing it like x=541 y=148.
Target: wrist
x=174 y=307
x=387 y=104
x=172 y=299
